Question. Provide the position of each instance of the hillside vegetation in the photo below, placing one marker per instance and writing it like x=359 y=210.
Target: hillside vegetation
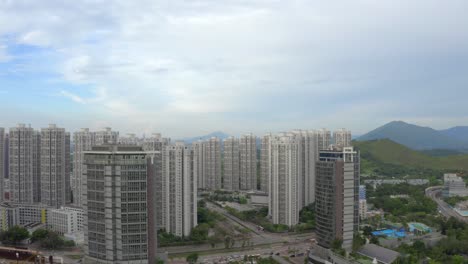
x=385 y=157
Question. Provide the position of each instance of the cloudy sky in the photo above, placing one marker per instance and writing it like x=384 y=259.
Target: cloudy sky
x=186 y=68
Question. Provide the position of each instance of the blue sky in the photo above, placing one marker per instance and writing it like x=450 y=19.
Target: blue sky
x=187 y=68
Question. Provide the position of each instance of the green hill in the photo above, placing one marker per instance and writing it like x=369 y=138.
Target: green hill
x=385 y=157
x=417 y=137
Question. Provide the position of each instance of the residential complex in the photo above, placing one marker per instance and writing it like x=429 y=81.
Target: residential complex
x=337 y=196
x=248 y=162
x=264 y=162
x=55 y=166
x=115 y=204
x=231 y=164
x=323 y=138
x=179 y=190
x=342 y=138
x=285 y=179
x=83 y=141
x=198 y=148
x=24 y=165
x=211 y=164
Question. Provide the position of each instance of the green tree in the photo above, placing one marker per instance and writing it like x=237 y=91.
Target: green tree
x=192 y=258
x=14 y=235
x=39 y=234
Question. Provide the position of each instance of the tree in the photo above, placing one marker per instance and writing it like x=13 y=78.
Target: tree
x=14 y=235
x=39 y=234
x=192 y=258
x=227 y=242
x=367 y=231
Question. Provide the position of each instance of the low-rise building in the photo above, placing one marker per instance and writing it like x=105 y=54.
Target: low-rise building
x=454 y=186
x=66 y=220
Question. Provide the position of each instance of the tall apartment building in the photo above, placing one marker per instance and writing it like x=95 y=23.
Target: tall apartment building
x=130 y=139
x=337 y=196
x=116 y=220
x=309 y=155
x=212 y=164
x=84 y=140
x=323 y=138
x=24 y=165
x=55 y=166
x=199 y=147
x=342 y=138
x=285 y=179
x=264 y=162
x=248 y=162
x=106 y=136
x=231 y=164
x=2 y=163
x=157 y=144
x=179 y=190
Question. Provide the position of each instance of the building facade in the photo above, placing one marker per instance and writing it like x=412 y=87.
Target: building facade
x=24 y=165
x=337 y=196
x=454 y=186
x=179 y=190
x=342 y=138
x=231 y=164
x=115 y=205
x=84 y=140
x=323 y=139
x=285 y=175
x=265 y=162
x=66 y=220
x=212 y=164
x=55 y=166
x=198 y=148
x=248 y=162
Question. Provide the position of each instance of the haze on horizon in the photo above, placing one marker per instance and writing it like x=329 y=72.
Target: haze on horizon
x=187 y=68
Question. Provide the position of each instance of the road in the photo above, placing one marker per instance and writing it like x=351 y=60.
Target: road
x=434 y=193
x=260 y=240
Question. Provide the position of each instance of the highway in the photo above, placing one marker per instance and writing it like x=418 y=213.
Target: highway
x=434 y=193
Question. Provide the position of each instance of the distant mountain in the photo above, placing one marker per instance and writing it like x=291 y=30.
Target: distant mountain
x=218 y=134
x=415 y=137
x=458 y=132
x=384 y=151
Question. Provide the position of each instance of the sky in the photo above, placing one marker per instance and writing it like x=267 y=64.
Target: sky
x=187 y=68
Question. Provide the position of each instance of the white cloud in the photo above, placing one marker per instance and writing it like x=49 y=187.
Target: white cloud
x=190 y=64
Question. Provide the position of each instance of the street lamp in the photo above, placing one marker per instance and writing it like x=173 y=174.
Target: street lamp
x=17 y=257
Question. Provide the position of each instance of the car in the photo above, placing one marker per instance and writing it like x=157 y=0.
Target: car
x=292 y=256
x=300 y=254
x=277 y=253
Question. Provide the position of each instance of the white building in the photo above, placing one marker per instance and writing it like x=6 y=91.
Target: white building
x=84 y=140
x=179 y=190
x=66 y=220
x=212 y=164
x=264 y=162
x=231 y=164
x=342 y=138
x=454 y=186
x=324 y=139
x=285 y=196
x=363 y=208
x=55 y=166
x=248 y=162
x=24 y=165
x=198 y=148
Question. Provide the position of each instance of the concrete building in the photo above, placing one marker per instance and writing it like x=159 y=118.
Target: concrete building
x=285 y=179
x=309 y=155
x=212 y=164
x=83 y=141
x=323 y=139
x=66 y=220
x=342 y=138
x=248 y=162
x=337 y=196
x=264 y=162
x=12 y=214
x=130 y=139
x=2 y=163
x=179 y=190
x=198 y=148
x=117 y=219
x=24 y=165
x=55 y=166
x=362 y=192
x=454 y=186
x=363 y=208
x=156 y=144
x=231 y=164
